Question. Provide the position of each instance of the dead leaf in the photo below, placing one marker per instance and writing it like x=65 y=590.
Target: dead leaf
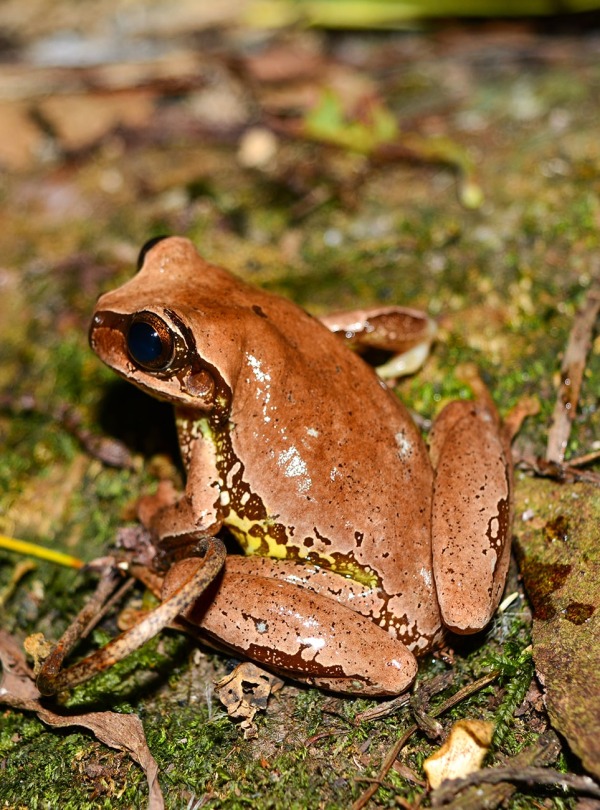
x=122 y=731
x=462 y=753
x=21 y=141
x=82 y=120
x=246 y=691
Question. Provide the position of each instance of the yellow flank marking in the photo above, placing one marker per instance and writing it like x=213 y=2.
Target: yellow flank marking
x=264 y=542
x=252 y=544
x=42 y=553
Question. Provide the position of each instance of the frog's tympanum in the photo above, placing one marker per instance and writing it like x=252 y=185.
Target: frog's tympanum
x=360 y=547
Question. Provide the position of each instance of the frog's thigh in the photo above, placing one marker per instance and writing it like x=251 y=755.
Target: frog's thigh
x=471 y=519
x=304 y=635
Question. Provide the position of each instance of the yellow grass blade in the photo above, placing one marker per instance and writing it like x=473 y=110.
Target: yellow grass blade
x=42 y=553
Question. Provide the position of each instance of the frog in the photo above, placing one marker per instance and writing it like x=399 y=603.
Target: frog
x=361 y=548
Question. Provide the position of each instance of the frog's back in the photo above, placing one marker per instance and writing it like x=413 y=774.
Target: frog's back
x=333 y=457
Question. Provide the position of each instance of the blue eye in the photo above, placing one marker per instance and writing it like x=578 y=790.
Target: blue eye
x=150 y=342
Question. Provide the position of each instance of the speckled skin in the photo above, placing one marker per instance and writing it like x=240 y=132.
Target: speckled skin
x=292 y=442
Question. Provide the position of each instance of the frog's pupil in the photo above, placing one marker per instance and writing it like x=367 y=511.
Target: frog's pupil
x=144 y=342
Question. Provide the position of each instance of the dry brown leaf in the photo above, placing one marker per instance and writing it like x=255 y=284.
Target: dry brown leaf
x=82 y=120
x=246 y=691
x=21 y=140
x=462 y=753
x=122 y=731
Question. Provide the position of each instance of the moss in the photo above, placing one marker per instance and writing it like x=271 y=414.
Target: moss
x=504 y=282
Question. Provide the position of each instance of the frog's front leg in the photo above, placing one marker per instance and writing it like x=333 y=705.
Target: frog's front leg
x=175 y=519
x=406 y=333
x=298 y=633
x=471 y=518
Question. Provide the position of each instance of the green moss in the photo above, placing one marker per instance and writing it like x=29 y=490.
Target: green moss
x=332 y=232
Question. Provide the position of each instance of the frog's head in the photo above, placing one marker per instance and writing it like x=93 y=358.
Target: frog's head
x=141 y=330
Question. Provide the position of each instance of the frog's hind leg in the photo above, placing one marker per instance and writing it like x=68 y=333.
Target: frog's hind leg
x=472 y=512
x=200 y=572
x=404 y=333
x=299 y=633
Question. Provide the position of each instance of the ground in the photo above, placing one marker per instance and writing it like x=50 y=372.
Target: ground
x=454 y=168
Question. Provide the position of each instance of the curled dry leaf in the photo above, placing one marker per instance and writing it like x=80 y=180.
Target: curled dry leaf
x=122 y=731
x=462 y=753
x=246 y=691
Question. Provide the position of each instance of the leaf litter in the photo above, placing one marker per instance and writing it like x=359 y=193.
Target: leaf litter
x=122 y=731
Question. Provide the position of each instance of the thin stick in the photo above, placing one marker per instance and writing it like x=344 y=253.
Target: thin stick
x=392 y=755
x=580 y=461
x=116 y=597
x=571 y=372
x=525 y=776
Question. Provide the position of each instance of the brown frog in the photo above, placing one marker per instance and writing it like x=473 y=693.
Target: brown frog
x=360 y=546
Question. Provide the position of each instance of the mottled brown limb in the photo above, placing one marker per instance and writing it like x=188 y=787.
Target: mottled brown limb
x=52 y=678
x=51 y=668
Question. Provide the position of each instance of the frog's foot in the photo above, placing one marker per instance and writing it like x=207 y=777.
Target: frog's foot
x=471 y=520
x=405 y=333
x=195 y=575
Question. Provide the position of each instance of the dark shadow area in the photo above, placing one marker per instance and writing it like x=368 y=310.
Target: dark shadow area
x=141 y=422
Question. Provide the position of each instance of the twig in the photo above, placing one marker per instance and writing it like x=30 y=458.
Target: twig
x=392 y=755
x=384 y=709
x=580 y=461
x=109 y=451
x=113 y=600
x=562 y=472
x=420 y=700
x=532 y=777
x=426 y=690
x=542 y=752
x=571 y=372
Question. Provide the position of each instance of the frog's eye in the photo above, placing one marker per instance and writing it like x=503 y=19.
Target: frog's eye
x=146 y=247
x=150 y=341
